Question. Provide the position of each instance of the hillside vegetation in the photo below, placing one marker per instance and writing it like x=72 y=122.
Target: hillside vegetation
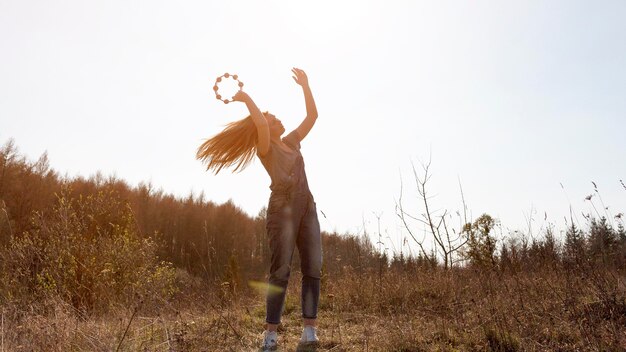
x=98 y=265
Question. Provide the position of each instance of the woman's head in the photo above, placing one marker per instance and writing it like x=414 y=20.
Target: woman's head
x=236 y=144
x=275 y=125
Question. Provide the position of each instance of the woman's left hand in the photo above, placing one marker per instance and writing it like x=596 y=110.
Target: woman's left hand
x=241 y=96
x=300 y=77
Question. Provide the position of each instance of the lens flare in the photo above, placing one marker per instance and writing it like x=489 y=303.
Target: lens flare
x=264 y=287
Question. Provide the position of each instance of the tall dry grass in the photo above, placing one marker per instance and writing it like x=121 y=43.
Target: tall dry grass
x=436 y=310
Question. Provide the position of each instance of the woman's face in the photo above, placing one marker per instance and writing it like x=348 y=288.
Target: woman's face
x=276 y=127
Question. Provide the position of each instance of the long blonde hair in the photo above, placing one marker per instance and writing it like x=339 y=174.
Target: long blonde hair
x=235 y=145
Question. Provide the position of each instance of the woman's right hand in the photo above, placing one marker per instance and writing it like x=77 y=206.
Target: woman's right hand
x=241 y=96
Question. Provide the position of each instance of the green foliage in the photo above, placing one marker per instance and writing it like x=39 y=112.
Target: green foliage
x=603 y=241
x=88 y=252
x=574 y=251
x=481 y=245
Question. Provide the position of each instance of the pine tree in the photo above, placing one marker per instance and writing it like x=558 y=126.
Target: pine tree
x=603 y=242
x=574 y=249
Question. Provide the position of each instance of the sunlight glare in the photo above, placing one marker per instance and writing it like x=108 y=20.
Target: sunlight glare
x=323 y=18
x=264 y=287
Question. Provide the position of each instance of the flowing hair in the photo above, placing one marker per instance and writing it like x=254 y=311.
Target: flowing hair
x=235 y=145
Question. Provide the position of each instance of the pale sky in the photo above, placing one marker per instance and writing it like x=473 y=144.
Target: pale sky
x=512 y=98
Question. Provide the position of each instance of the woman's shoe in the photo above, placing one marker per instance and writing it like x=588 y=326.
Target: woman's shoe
x=309 y=335
x=270 y=340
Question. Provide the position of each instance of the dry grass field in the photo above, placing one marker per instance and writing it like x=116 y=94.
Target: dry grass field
x=432 y=310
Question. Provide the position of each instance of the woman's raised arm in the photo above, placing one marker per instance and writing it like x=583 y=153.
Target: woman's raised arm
x=263 y=130
x=311 y=110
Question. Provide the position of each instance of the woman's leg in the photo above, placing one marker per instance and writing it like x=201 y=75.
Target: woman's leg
x=281 y=234
x=310 y=249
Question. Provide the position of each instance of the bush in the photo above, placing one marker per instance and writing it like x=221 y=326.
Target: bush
x=88 y=252
x=481 y=245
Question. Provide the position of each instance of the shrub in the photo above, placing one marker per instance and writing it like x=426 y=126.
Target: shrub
x=88 y=252
x=481 y=245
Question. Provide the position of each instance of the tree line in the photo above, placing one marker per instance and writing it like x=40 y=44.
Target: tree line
x=215 y=242
x=131 y=233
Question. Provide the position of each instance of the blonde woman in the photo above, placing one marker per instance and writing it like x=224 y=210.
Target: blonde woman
x=291 y=213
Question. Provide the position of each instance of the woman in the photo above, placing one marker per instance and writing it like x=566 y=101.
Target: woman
x=291 y=213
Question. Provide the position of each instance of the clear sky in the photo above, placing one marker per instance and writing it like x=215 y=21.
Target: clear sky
x=514 y=99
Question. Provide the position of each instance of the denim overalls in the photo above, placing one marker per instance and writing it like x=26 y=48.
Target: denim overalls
x=291 y=221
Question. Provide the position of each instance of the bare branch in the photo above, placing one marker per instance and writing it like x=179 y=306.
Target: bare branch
x=442 y=239
x=401 y=215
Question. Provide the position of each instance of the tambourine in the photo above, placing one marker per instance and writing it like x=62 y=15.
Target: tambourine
x=221 y=79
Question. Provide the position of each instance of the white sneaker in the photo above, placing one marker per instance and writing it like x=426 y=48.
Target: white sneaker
x=270 y=340
x=309 y=335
